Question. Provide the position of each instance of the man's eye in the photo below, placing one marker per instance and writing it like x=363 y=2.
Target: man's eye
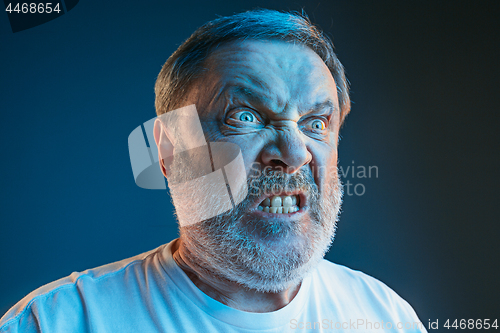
x=317 y=124
x=247 y=116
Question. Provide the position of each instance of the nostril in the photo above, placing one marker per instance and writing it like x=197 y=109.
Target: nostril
x=279 y=163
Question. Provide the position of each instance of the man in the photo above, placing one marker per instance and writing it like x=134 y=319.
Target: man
x=270 y=84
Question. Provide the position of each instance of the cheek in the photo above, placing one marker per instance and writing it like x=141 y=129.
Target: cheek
x=324 y=164
x=211 y=130
x=332 y=169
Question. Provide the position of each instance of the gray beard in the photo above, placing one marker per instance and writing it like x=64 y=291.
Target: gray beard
x=264 y=255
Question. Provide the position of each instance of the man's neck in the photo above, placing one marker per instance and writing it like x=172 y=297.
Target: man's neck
x=231 y=293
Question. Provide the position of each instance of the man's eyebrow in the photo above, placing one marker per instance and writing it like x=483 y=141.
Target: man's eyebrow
x=243 y=91
x=328 y=105
x=252 y=95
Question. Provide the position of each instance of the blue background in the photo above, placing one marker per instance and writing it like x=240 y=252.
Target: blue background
x=425 y=80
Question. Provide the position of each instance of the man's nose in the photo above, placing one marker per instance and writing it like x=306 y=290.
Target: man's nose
x=288 y=152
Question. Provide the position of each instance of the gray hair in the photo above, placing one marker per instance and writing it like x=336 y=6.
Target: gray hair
x=185 y=65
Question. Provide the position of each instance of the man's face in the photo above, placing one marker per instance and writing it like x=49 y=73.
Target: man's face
x=277 y=102
x=271 y=99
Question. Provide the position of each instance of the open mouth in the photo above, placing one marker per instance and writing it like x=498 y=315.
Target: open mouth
x=280 y=204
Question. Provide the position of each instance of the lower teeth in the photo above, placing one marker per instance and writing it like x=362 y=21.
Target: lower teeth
x=279 y=210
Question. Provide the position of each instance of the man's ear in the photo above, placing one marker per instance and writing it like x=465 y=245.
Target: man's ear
x=165 y=146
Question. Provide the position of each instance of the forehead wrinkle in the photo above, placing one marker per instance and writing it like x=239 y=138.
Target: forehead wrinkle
x=270 y=77
x=262 y=73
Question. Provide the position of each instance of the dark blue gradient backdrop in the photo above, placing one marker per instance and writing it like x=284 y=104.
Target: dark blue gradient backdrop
x=425 y=80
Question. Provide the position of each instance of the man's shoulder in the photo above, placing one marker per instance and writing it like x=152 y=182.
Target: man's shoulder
x=331 y=272
x=73 y=289
x=349 y=286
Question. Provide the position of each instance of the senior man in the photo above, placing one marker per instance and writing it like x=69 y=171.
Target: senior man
x=270 y=84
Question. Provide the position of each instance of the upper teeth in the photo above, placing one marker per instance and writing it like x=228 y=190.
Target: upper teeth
x=280 y=204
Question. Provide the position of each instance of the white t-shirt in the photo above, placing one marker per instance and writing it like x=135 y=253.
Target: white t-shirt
x=150 y=293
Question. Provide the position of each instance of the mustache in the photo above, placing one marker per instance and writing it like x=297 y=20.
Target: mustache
x=274 y=181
